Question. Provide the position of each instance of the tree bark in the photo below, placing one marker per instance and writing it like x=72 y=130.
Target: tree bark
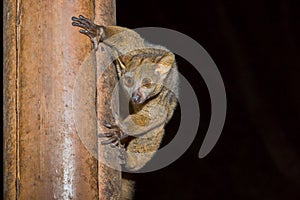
x=10 y=103
x=109 y=174
x=45 y=157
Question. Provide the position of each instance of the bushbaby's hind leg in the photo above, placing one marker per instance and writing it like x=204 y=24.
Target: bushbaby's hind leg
x=140 y=150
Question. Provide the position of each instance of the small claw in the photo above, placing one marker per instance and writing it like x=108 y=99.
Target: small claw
x=110 y=126
x=74 y=18
x=114 y=144
x=109 y=134
x=101 y=135
x=75 y=23
x=109 y=141
x=79 y=25
x=82 y=17
x=106 y=124
x=86 y=20
x=85 y=32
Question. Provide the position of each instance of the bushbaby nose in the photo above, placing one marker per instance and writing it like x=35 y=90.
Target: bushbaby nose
x=136 y=97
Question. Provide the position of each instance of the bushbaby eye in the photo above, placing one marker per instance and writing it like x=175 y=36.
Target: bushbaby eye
x=129 y=81
x=146 y=82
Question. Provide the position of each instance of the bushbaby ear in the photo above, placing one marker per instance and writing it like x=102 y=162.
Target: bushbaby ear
x=165 y=63
x=121 y=68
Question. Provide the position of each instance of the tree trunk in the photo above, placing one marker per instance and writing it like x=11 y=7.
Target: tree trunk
x=49 y=101
x=109 y=177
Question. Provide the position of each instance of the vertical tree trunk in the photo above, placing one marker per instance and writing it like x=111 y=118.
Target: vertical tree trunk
x=109 y=177
x=44 y=155
x=10 y=100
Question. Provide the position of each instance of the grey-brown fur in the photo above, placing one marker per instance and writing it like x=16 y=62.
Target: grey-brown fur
x=137 y=61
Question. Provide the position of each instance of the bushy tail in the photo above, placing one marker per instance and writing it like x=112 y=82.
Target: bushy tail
x=127 y=189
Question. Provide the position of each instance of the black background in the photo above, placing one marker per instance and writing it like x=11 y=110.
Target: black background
x=255 y=45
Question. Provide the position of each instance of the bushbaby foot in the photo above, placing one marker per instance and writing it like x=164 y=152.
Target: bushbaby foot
x=115 y=135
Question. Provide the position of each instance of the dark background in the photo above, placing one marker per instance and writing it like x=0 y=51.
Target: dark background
x=255 y=45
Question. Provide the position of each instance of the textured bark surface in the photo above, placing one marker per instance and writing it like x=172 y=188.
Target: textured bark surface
x=10 y=94
x=109 y=177
x=44 y=156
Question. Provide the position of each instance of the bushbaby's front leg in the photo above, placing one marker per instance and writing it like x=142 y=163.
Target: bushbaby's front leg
x=93 y=31
x=143 y=121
